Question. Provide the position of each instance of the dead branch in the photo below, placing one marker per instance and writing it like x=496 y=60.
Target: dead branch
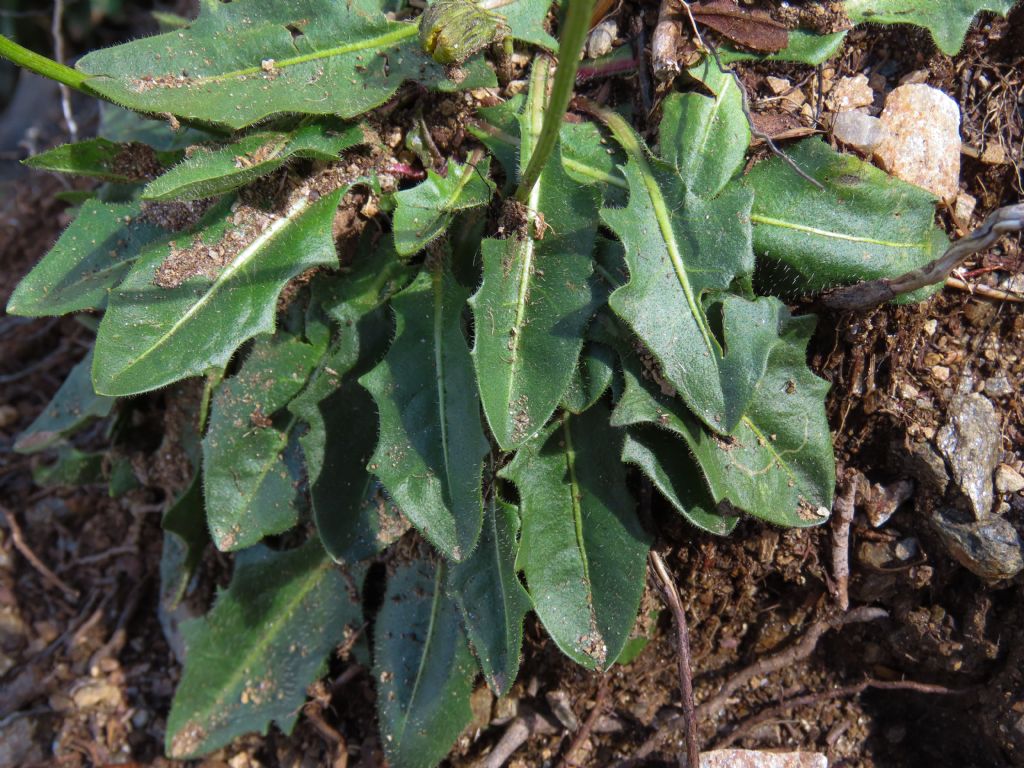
x=516 y=734
x=748 y=725
x=587 y=728
x=799 y=651
x=665 y=42
x=862 y=296
x=842 y=519
x=667 y=586
x=22 y=546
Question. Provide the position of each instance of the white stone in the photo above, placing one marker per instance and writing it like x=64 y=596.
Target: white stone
x=922 y=141
x=850 y=93
x=750 y=758
x=858 y=130
x=964 y=209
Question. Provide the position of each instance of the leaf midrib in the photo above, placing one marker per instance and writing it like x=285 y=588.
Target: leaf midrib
x=385 y=40
x=435 y=607
x=440 y=379
x=756 y=218
x=282 y=618
x=241 y=260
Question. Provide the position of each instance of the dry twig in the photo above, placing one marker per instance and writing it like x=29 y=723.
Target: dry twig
x=58 y=54
x=22 y=546
x=516 y=734
x=587 y=728
x=670 y=593
x=874 y=292
x=800 y=650
x=748 y=725
x=842 y=519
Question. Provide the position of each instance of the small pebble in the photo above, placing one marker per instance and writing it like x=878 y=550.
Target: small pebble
x=1008 y=480
x=998 y=386
x=990 y=548
x=850 y=93
x=941 y=373
x=930 y=326
x=964 y=208
x=970 y=441
x=858 y=130
x=922 y=145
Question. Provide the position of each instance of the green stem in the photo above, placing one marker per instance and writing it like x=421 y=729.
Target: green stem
x=574 y=35
x=41 y=65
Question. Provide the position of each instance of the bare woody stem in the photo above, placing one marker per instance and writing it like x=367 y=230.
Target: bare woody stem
x=574 y=35
x=41 y=65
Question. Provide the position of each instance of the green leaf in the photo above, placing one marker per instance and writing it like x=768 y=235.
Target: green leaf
x=431 y=447
x=536 y=296
x=89 y=259
x=424 y=668
x=864 y=225
x=591 y=379
x=777 y=463
x=249 y=660
x=74 y=405
x=153 y=335
x=242 y=61
x=107 y=160
x=354 y=519
x=72 y=467
x=680 y=247
x=659 y=456
x=947 y=20
x=525 y=19
x=490 y=597
x=185 y=538
x=251 y=470
x=805 y=47
x=706 y=139
x=211 y=172
x=582 y=548
x=426 y=211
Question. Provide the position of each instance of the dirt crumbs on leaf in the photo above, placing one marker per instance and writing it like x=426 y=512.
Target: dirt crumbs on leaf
x=176 y=216
x=201 y=258
x=137 y=162
x=187 y=741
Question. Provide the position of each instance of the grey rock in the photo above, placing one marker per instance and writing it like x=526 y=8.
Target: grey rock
x=989 y=548
x=18 y=745
x=925 y=465
x=999 y=386
x=970 y=442
x=858 y=130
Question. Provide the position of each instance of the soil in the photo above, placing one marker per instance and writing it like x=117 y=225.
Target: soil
x=87 y=670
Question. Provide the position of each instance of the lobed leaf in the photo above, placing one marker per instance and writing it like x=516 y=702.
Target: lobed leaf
x=777 y=463
x=424 y=668
x=103 y=159
x=354 y=519
x=947 y=20
x=536 y=296
x=152 y=336
x=210 y=172
x=591 y=379
x=426 y=211
x=680 y=248
x=490 y=597
x=74 y=405
x=656 y=454
x=250 y=659
x=89 y=259
x=251 y=467
x=582 y=549
x=243 y=61
x=864 y=225
x=431 y=446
